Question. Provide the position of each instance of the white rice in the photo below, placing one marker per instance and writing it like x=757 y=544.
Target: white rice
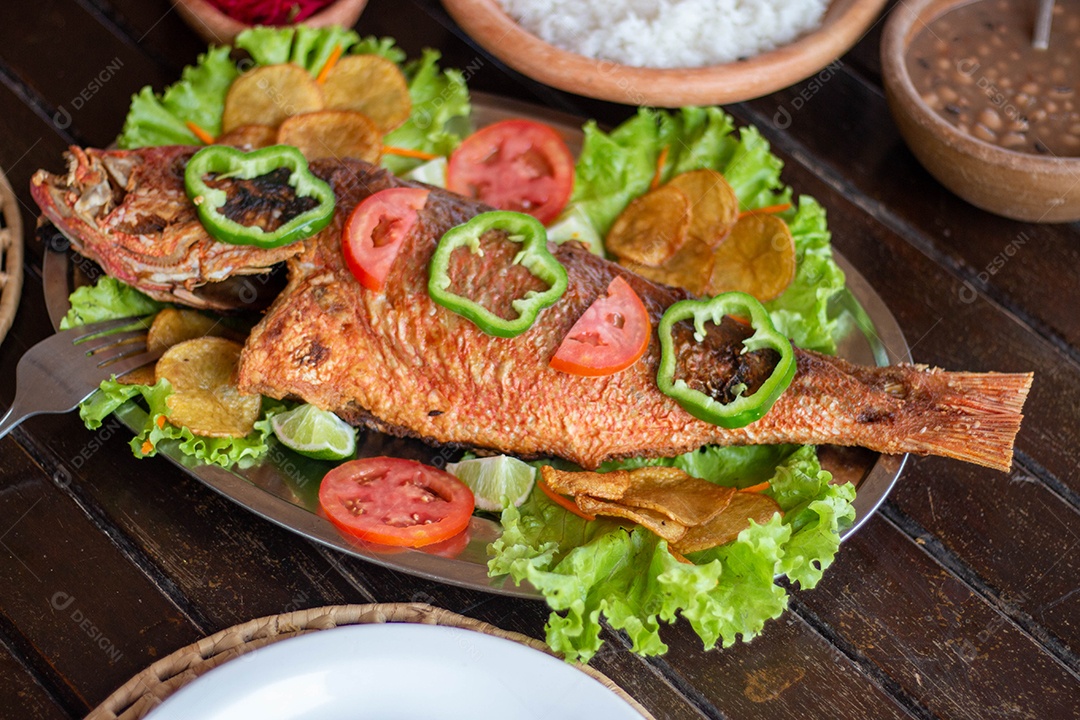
x=667 y=33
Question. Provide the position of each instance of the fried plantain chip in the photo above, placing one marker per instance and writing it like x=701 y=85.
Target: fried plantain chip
x=204 y=398
x=713 y=205
x=172 y=326
x=690 y=268
x=658 y=523
x=269 y=94
x=757 y=257
x=608 y=486
x=372 y=85
x=332 y=134
x=652 y=228
x=727 y=525
x=249 y=137
x=678 y=495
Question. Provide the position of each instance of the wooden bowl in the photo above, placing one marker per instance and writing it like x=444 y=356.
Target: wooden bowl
x=217 y=28
x=1017 y=185
x=485 y=21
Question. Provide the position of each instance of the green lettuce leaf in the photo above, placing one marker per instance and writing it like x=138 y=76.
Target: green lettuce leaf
x=602 y=571
x=616 y=167
x=440 y=112
x=113 y=396
x=107 y=299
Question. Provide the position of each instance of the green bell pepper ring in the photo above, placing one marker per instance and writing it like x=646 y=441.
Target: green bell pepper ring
x=226 y=161
x=744 y=409
x=534 y=256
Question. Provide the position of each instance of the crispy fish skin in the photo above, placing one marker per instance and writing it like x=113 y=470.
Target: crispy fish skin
x=398 y=362
x=127 y=210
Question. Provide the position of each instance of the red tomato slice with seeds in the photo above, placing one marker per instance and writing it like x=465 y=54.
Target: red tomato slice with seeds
x=392 y=501
x=375 y=231
x=611 y=336
x=516 y=165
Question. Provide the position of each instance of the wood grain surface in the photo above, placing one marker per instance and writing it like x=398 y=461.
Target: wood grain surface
x=957 y=600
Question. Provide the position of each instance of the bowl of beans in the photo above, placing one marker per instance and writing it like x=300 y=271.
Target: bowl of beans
x=994 y=119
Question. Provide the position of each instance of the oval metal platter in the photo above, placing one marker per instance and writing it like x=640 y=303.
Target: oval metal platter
x=283 y=486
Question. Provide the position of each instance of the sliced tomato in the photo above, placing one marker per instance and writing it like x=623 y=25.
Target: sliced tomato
x=517 y=165
x=395 y=502
x=375 y=231
x=611 y=336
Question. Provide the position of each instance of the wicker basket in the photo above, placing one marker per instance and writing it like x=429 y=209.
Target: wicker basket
x=11 y=256
x=142 y=693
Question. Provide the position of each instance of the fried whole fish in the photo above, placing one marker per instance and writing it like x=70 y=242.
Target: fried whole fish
x=127 y=211
x=397 y=362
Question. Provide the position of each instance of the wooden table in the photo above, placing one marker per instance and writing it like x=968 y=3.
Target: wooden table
x=957 y=600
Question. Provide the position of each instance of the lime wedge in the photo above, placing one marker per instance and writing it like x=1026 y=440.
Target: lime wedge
x=497 y=482
x=316 y=433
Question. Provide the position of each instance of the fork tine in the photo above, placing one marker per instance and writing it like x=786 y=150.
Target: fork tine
x=110 y=355
x=126 y=365
x=83 y=332
x=103 y=342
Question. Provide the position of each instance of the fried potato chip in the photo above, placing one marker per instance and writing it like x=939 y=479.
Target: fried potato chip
x=726 y=526
x=269 y=94
x=680 y=496
x=204 y=398
x=332 y=134
x=757 y=257
x=172 y=326
x=139 y=376
x=652 y=228
x=249 y=137
x=607 y=486
x=658 y=523
x=690 y=268
x=372 y=85
x=713 y=205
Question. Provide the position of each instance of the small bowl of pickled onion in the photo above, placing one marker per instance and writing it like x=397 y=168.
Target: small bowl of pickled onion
x=220 y=21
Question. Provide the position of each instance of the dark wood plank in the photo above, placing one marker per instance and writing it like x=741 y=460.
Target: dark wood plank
x=91 y=618
x=1019 y=538
x=845 y=127
x=91 y=95
x=156 y=27
x=21 y=696
x=930 y=633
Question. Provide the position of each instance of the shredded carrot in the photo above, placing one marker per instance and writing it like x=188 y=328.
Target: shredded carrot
x=767 y=209
x=160 y=422
x=562 y=502
x=331 y=61
x=756 y=488
x=204 y=136
x=406 y=152
x=660 y=160
x=147 y=447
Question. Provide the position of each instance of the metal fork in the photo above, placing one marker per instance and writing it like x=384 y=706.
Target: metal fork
x=61 y=371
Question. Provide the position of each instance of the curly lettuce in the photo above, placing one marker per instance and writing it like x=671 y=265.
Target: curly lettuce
x=440 y=100
x=589 y=571
x=616 y=167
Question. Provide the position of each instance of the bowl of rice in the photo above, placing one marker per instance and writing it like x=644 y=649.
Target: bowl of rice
x=666 y=53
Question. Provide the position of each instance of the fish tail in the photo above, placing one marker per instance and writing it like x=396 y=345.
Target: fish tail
x=977 y=416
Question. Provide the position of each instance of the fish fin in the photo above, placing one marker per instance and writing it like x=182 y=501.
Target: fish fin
x=983 y=412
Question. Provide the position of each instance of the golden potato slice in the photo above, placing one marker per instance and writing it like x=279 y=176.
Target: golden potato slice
x=690 y=268
x=332 y=134
x=713 y=205
x=139 y=376
x=757 y=257
x=652 y=228
x=172 y=326
x=727 y=525
x=682 y=497
x=269 y=94
x=658 y=523
x=249 y=137
x=204 y=398
x=372 y=85
x=608 y=486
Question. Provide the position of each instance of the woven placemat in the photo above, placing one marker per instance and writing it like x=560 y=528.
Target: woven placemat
x=11 y=255
x=142 y=693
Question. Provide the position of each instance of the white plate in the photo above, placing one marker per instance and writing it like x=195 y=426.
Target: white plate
x=395 y=671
